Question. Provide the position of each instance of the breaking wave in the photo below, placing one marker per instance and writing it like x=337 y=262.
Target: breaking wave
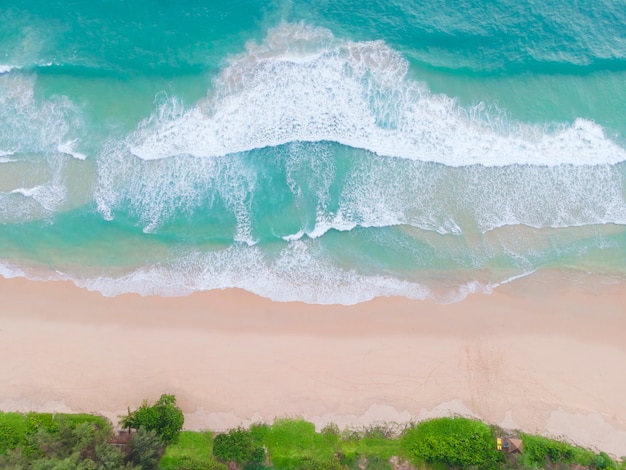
x=303 y=84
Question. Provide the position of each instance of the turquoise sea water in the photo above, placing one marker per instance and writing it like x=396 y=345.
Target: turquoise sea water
x=322 y=151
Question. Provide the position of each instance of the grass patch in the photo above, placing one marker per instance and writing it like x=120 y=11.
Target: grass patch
x=380 y=447
x=294 y=444
x=193 y=450
x=375 y=444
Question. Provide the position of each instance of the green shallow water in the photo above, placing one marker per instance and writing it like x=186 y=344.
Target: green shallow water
x=328 y=153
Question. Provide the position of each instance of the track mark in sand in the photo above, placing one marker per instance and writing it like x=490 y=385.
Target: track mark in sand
x=485 y=370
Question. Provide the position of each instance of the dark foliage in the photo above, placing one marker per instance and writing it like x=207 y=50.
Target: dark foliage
x=240 y=446
x=145 y=449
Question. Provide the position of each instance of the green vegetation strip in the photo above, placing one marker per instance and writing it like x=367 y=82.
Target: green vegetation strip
x=43 y=440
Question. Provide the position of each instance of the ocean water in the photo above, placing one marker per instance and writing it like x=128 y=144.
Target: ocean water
x=327 y=152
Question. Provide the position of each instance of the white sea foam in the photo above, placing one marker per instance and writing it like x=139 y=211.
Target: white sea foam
x=50 y=197
x=440 y=199
x=375 y=192
x=516 y=277
x=67 y=148
x=33 y=127
x=4 y=156
x=9 y=271
x=161 y=281
x=302 y=84
x=296 y=275
x=30 y=124
x=174 y=187
x=7 y=68
x=300 y=272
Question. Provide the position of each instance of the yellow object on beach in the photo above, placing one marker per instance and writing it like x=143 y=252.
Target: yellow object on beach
x=499 y=443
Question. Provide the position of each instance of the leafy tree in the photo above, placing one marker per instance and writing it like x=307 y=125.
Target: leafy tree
x=164 y=417
x=128 y=422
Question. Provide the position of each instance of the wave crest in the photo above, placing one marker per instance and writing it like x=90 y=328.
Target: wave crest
x=357 y=94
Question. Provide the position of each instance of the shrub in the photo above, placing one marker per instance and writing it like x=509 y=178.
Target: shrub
x=539 y=450
x=331 y=429
x=10 y=438
x=40 y=421
x=12 y=425
x=602 y=461
x=238 y=445
x=457 y=442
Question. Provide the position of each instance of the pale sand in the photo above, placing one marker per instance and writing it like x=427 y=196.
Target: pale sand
x=548 y=360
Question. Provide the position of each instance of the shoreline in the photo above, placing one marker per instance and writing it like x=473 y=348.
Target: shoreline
x=537 y=354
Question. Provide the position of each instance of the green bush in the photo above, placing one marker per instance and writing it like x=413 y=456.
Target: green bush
x=539 y=450
x=602 y=461
x=11 y=435
x=456 y=442
x=238 y=445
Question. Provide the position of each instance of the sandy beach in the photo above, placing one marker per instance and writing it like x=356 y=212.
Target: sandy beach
x=538 y=355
